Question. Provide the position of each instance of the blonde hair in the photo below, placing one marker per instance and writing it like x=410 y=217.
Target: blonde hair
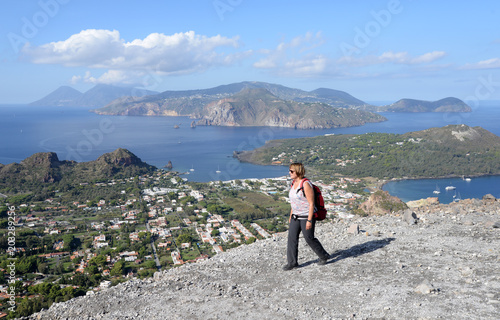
x=299 y=169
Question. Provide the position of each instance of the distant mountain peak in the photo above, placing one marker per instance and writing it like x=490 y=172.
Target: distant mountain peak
x=449 y=104
x=96 y=97
x=62 y=96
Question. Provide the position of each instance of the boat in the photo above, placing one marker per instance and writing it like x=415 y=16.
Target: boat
x=176 y=126
x=218 y=170
x=192 y=169
x=437 y=191
x=450 y=188
x=456 y=197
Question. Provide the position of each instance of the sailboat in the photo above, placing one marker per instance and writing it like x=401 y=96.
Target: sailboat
x=192 y=168
x=450 y=188
x=218 y=170
x=456 y=198
x=437 y=191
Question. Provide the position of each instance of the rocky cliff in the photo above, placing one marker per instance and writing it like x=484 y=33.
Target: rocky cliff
x=381 y=202
x=259 y=107
x=437 y=262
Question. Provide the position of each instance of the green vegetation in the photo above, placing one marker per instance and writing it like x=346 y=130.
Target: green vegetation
x=43 y=173
x=437 y=152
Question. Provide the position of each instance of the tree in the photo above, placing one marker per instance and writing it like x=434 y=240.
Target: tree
x=26 y=264
x=92 y=270
x=81 y=280
x=43 y=268
x=184 y=238
x=117 y=269
x=3 y=211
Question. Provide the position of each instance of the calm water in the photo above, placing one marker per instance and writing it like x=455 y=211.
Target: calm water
x=76 y=134
x=408 y=190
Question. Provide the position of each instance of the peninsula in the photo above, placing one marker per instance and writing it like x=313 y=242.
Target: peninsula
x=453 y=150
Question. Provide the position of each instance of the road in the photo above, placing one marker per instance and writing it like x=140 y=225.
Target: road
x=158 y=265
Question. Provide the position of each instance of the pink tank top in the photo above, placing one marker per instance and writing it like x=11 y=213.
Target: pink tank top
x=298 y=200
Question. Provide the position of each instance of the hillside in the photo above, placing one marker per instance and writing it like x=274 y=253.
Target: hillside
x=96 y=97
x=192 y=102
x=259 y=107
x=453 y=150
x=44 y=169
x=412 y=105
x=443 y=264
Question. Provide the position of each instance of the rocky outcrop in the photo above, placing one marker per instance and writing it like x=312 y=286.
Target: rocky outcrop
x=169 y=165
x=423 y=202
x=444 y=266
x=381 y=202
x=45 y=167
x=258 y=107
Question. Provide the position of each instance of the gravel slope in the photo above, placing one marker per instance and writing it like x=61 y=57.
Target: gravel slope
x=446 y=265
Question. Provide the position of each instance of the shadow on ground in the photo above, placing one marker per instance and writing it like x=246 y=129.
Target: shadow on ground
x=355 y=251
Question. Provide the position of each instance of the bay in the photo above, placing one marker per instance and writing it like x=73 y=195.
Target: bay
x=201 y=152
x=477 y=187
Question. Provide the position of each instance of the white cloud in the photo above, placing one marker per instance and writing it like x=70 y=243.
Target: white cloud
x=296 y=57
x=179 y=53
x=493 y=63
x=304 y=56
x=394 y=58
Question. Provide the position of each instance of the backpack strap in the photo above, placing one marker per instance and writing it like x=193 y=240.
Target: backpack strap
x=301 y=186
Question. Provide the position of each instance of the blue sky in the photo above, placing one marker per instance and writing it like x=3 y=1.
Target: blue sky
x=374 y=50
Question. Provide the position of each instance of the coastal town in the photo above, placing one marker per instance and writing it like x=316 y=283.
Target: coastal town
x=67 y=247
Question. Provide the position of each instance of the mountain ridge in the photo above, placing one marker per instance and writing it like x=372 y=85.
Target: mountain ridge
x=95 y=97
x=192 y=102
x=259 y=107
x=45 y=168
x=113 y=100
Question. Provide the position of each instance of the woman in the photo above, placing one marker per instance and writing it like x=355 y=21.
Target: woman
x=301 y=218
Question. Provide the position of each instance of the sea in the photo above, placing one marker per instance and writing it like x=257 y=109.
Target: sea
x=205 y=153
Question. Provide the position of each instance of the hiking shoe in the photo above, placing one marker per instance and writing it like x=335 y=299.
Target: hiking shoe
x=287 y=267
x=322 y=262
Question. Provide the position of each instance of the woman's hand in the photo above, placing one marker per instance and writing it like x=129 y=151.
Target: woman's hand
x=309 y=225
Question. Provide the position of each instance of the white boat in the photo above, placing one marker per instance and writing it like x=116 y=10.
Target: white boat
x=218 y=170
x=437 y=191
x=468 y=179
x=450 y=188
x=192 y=169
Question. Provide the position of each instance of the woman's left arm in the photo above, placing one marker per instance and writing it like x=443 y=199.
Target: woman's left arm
x=309 y=193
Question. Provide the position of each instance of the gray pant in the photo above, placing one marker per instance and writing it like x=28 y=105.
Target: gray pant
x=296 y=226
